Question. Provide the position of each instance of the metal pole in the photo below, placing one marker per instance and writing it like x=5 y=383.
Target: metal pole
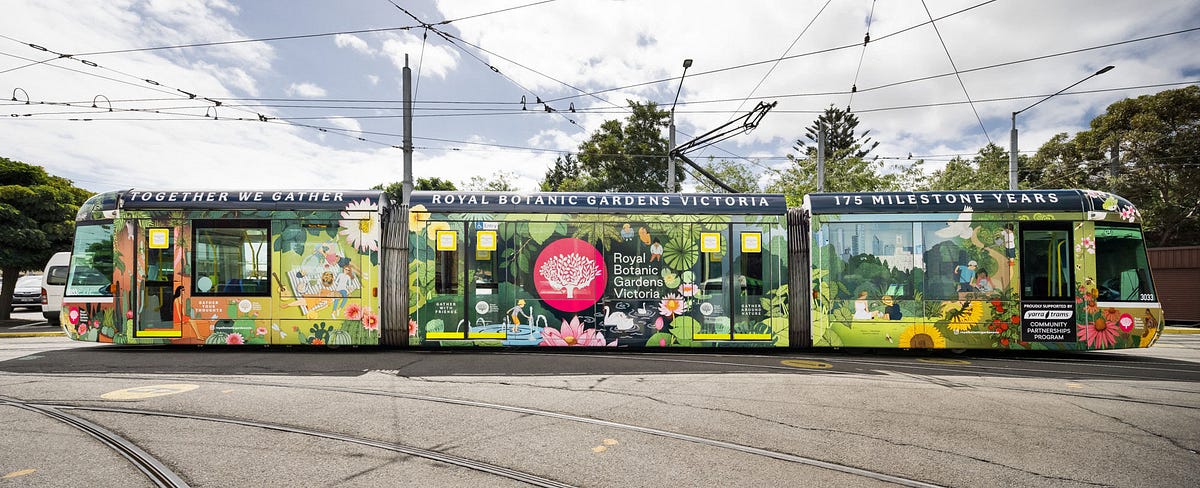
x=821 y=158
x=687 y=63
x=407 y=184
x=1012 y=155
x=671 y=157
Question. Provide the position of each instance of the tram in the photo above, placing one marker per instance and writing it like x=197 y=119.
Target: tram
x=1027 y=270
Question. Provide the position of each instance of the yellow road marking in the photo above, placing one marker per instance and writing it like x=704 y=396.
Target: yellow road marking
x=22 y=472
x=804 y=363
x=150 y=391
x=943 y=361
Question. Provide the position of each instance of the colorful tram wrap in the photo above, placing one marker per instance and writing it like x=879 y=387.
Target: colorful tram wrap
x=1054 y=269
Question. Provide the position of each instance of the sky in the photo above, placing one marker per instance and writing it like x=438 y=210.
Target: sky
x=305 y=94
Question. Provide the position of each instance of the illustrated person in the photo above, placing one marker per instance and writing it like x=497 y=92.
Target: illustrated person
x=965 y=274
x=861 y=310
x=516 y=312
x=891 y=309
x=1010 y=243
x=656 y=250
x=983 y=283
x=344 y=283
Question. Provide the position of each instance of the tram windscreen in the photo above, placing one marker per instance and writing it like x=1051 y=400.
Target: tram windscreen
x=91 y=262
x=1122 y=270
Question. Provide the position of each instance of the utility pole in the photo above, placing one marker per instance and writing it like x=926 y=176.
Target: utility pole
x=687 y=63
x=1114 y=162
x=821 y=157
x=407 y=184
x=1012 y=149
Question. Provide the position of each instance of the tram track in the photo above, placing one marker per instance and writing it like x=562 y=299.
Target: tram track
x=155 y=470
x=999 y=370
x=432 y=455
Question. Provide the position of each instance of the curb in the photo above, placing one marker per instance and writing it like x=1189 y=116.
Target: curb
x=4 y=335
x=1180 y=330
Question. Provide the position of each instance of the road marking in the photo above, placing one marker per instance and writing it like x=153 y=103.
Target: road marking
x=142 y=392
x=1074 y=385
x=605 y=444
x=804 y=363
x=22 y=472
x=943 y=361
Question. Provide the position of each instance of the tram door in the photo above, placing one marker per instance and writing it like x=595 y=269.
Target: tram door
x=1047 y=282
x=487 y=308
x=160 y=281
x=717 y=285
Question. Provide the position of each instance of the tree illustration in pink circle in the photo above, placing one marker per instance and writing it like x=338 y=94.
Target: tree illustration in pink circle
x=570 y=275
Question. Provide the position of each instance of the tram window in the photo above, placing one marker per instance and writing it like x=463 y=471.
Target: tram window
x=446 y=272
x=232 y=260
x=876 y=257
x=1046 y=264
x=91 y=262
x=1122 y=270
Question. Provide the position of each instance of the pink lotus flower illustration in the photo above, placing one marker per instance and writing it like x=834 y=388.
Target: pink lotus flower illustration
x=573 y=334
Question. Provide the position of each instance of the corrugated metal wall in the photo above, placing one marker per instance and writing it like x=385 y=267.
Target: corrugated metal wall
x=1177 y=281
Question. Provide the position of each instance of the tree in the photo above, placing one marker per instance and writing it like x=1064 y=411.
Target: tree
x=846 y=166
x=37 y=219
x=501 y=181
x=395 y=190
x=565 y=175
x=737 y=175
x=840 y=141
x=619 y=157
x=1157 y=141
x=988 y=170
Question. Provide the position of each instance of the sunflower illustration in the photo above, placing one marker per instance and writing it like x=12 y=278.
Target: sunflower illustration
x=922 y=336
x=962 y=315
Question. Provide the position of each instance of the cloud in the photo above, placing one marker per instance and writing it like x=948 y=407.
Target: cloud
x=436 y=60
x=346 y=123
x=353 y=42
x=307 y=90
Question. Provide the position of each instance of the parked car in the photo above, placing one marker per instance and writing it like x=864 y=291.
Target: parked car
x=28 y=292
x=54 y=285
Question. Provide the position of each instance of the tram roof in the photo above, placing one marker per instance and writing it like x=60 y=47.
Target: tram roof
x=225 y=199
x=1008 y=201
x=594 y=203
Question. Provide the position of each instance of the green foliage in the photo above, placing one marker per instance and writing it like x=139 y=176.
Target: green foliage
x=846 y=166
x=629 y=156
x=501 y=181
x=37 y=219
x=395 y=190
x=680 y=254
x=988 y=170
x=840 y=141
x=737 y=175
x=1157 y=139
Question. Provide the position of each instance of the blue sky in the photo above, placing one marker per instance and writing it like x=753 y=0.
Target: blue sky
x=592 y=54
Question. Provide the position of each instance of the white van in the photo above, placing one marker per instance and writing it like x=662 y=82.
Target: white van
x=54 y=283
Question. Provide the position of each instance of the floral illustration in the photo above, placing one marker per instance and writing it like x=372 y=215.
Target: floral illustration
x=1098 y=333
x=1086 y=244
x=363 y=234
x=573 y=334
x=672 y=305
x=922 y=336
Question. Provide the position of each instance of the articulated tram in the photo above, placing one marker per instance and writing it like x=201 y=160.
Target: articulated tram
x=1028 y=270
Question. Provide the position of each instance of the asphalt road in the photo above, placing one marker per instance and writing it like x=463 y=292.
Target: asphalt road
x=386 y=417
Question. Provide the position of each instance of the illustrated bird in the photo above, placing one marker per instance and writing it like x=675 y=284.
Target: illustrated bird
x=958 y=228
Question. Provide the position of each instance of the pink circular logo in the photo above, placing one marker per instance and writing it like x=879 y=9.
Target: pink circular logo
x=570 y=275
